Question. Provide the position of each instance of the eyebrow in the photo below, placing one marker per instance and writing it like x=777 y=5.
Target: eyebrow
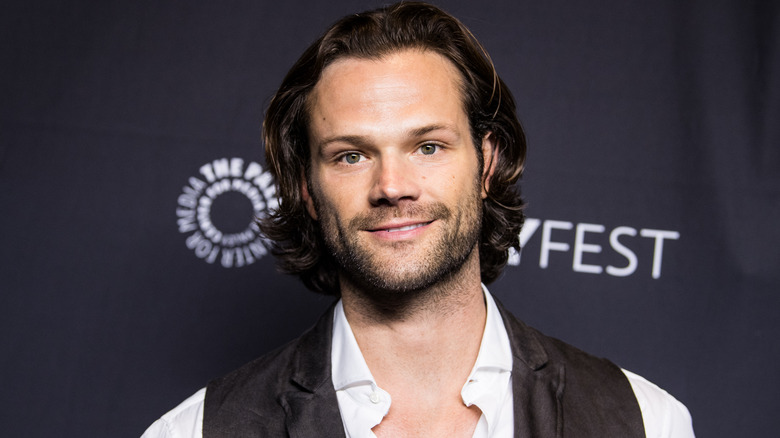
x=419 y=132
x=359 y=140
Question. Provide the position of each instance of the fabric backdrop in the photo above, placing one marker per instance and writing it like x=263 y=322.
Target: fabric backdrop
x=131 y=166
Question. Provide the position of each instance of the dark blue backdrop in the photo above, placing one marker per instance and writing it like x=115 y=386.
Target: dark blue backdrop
x=654 y=146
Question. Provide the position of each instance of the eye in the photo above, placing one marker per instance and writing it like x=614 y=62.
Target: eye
x=351 y=158
x=429 y=149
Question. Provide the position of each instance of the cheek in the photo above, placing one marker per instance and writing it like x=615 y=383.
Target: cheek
x=467 y=177
x=336 y=203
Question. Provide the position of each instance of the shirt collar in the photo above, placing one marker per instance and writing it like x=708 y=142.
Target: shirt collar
x=495 y=350
x=348 y=365
x=488 y=385
x=362 y=404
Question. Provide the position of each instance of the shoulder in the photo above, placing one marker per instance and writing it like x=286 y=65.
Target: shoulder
x=245 y=392
x=663 y=415
x=267 y=368
x=600 y=380
x=593 y=394
x=254 y=396
x=274 y=372
x=185 y=420
x=537 y=350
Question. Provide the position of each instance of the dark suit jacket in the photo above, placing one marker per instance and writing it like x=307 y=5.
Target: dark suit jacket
x=558 y=391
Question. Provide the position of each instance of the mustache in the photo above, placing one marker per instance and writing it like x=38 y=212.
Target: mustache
x=375 y=218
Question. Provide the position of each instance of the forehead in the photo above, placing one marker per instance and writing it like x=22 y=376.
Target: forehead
x=397 y=87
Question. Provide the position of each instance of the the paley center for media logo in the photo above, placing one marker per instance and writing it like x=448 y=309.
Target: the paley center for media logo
x=217 y=211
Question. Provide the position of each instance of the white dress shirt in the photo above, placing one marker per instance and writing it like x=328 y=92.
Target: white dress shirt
x=363 y=404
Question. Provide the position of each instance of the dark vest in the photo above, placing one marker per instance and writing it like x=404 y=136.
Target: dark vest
x=558 y=391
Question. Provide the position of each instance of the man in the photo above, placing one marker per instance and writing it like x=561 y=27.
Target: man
x=396 y=149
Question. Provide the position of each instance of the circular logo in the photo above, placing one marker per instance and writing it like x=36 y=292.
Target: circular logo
x=214 y=213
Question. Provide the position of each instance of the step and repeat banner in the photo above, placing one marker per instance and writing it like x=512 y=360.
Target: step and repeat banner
x=131 y=272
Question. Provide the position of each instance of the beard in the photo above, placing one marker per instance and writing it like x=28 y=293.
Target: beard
x=383 y=270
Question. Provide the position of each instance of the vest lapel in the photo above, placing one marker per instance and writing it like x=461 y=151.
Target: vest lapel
x=312 y=407
x=537 y=386
x=312 y=414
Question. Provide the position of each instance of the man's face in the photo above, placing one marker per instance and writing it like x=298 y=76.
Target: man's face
x=395 y=177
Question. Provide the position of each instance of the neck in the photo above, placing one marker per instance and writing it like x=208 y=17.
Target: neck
x=428 y=336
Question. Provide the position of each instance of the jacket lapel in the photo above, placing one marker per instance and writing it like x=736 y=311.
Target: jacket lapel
x=537 y=385
x=311 y=407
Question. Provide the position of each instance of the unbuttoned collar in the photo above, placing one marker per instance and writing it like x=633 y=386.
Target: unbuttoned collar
x=363 y=404
x=488 y=385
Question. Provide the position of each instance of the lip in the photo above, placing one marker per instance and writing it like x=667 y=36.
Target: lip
x=400 y=230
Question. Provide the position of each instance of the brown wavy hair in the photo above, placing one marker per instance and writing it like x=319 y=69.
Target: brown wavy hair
x=294 y=237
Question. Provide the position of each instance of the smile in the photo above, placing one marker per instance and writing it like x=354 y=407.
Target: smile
x=406 y=228
x=401 y=228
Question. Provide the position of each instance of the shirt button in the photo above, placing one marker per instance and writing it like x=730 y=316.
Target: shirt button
x=374 y=397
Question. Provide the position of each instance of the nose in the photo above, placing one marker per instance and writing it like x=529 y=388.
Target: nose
x=395 y=179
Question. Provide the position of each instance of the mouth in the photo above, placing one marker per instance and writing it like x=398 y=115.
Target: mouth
x=401 y=227
x=406 y=228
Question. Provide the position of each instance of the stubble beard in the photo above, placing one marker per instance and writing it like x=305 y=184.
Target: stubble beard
x=386 y=275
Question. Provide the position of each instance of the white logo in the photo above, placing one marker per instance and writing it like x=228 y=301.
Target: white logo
x=233 y=248
x=581 y=248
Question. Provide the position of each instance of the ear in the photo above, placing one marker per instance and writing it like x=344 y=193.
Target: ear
x=307 y=197
x=489 y=161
